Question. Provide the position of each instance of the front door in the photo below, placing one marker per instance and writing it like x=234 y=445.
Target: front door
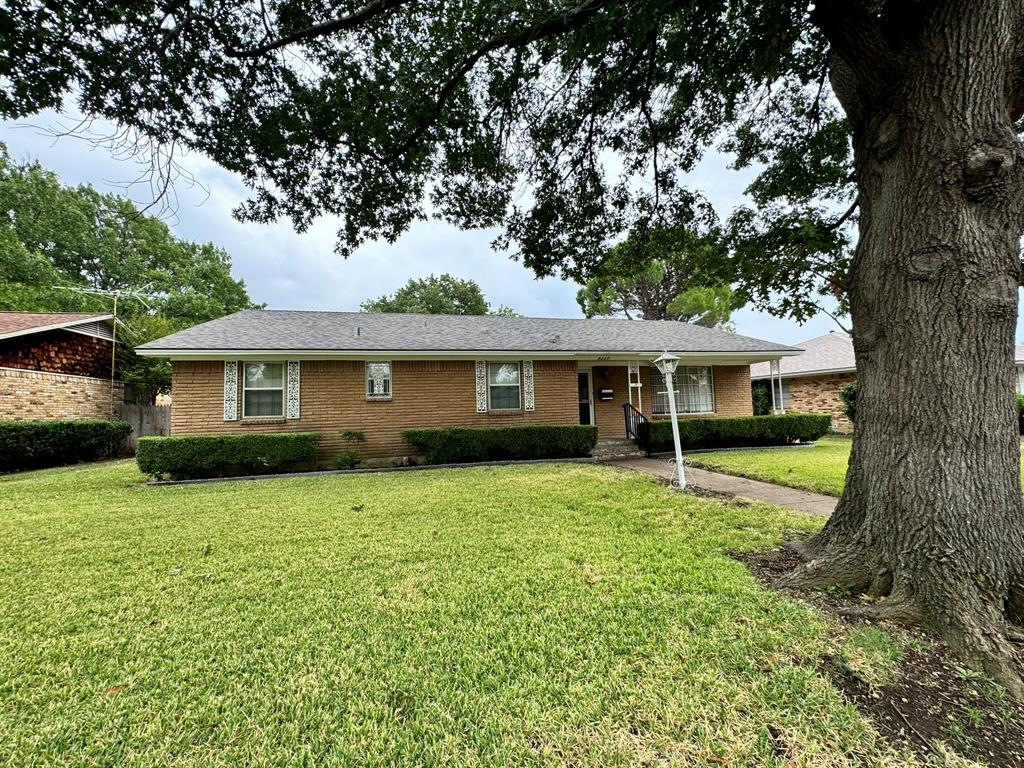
x=583 y=379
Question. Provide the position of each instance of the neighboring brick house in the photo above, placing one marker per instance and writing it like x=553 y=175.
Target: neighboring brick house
x=327 y=372
x=810 y=382
x=57 y=365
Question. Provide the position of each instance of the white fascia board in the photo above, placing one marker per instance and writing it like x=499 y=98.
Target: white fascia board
x=804 y=374
x=597 y=357
x=54 y=326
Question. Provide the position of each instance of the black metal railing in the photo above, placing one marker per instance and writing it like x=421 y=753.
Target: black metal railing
x=637 y=426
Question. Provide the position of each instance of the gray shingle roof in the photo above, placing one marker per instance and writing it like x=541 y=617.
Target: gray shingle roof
x=832 y=352
x=362 y=332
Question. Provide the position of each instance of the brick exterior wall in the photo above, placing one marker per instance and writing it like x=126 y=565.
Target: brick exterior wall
x=820 y=394
x=424 y=394
x=333 y=399
x=58 y=351
x=41 y=395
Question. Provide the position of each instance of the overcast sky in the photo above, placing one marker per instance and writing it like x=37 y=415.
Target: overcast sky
x=287 y=270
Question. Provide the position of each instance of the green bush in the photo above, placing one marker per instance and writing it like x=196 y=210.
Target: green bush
x=737 y=432
x=456 y=445
x=38 y=444
x=1020 y=413
x=198 y=456
x=760 y=392
x=347 y=460
x=848 y=394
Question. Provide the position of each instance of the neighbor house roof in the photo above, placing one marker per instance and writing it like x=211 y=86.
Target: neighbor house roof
x=23 y=323
x=831 y=353
x=356 y=333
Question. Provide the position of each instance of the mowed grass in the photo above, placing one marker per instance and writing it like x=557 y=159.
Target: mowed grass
x=539 y=615
x=821 y=468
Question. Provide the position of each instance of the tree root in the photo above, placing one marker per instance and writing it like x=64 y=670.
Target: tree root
x=845 y=568
x=898 y=610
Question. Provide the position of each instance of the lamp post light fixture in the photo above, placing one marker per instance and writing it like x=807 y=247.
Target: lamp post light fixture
x=666 y=365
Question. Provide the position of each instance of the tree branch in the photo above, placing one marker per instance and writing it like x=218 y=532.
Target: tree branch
x=340 y=24
x=556 y=25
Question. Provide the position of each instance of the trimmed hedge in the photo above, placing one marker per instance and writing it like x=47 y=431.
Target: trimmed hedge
x=459 y=445
x=38 y=444
x=739 y=431
x=198 y=456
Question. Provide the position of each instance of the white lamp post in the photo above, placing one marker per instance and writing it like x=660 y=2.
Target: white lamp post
x=666 y=365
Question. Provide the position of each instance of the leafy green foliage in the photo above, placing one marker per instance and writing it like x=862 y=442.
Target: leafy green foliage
x=657 y=275
x=848 y=394
x=198 y=456
x=1020 y=412
x=444 y=295
x=36 y=444
x=739 y=431
x=348 y=459
x=56 y=240
x=761 y=395
x=566 y=125
x=354 y=436
x=456 y=445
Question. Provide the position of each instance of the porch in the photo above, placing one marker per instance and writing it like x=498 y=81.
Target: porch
x=705 y=387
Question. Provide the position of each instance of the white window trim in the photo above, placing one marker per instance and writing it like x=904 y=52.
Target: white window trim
x=519 y=368
x=366 y=380
x=282 y=389
x=675 y=382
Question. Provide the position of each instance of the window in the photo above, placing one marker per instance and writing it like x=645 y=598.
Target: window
x=263 y=390
x=378 y=381
x=503 y=386
x=695 y=391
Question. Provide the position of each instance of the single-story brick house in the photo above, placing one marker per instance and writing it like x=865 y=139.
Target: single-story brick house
x=57 y=365
x=809 y=383
x=327 y=372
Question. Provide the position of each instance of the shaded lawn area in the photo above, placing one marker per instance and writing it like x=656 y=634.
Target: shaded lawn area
x=821 y=469
x=534 y=615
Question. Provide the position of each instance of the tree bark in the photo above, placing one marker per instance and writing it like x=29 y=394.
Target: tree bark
x=931 y=518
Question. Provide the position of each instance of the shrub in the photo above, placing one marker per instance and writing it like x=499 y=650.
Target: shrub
x=1020 y=413
x=848 y=394
x=762 y=398
x=347 y=460
x=454 y=445
x=737 y=432
x=38 y=444
x=226 y=455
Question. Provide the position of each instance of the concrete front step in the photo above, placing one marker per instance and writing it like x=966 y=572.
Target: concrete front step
x=609 y=448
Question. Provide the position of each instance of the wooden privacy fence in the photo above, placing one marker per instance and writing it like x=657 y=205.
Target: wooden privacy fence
x=146 y=420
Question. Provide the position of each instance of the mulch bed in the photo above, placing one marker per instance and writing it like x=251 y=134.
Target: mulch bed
x=932 y=699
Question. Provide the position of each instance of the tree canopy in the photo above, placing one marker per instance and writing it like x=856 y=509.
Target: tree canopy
x=443 y=295
x=387 y=112
x=57 y=242
x=656 y=275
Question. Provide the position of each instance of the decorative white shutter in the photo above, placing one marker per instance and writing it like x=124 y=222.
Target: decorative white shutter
x=230 y=390
x=528 y=384
x=292 y=380
x=481 y=386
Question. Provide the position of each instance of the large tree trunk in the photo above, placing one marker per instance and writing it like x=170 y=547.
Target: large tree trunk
x=931 y=518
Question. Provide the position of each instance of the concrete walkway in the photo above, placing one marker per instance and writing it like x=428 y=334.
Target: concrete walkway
x=755 y=490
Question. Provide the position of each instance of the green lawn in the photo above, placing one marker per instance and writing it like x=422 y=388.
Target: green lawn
x=821 y=468
x=540 y=615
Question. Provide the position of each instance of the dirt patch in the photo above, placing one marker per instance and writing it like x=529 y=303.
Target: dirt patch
x=931 y=701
